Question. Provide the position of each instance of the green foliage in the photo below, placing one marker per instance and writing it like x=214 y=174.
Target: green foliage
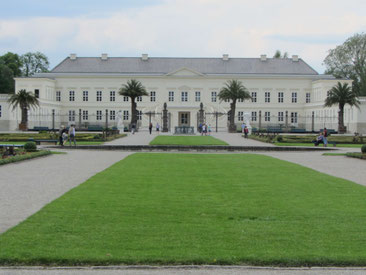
x=7 y=82
x=279 y=138
x=30 y=146
x=21 y=157
x=34 y=63
x=363 y=149
x=197 y=209
x=13 y=62
x=356 y=155
x=278 y=54
x=348 y=61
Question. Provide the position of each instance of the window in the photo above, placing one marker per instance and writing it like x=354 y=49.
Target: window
x=294 y=97
x=139 y=99
x=267 y=116
x=139 y=115
x=125 y=115
x=36 y=93
x=85 y=95
x=213 y=96
x=152 y=96
x=112 y=115
x=58 y=95
x=240 y=116
x=280 y=116
x=99 y=95
x=125 y=98
x=280 y=97
x=112 y=96
x=85 y=115
x=0 y=110
x=99 y=115
x=72 y=96
x=254 y=96
x=307 y=97
x=293 y=117
x=198 y=96
x=240 y=100
x=171 y=96
x=184 y=96
x=267 y=97
x=71 y=115
x=254 y=116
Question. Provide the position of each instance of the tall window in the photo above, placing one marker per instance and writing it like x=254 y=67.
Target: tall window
x=125 y=115
x=184 y=96
x=72 y=96
x=293 y=117
x=36 y=93
x=139 y=115
x=307 y=97
x=99 y=115
x=85 y=95
x=213 y=96
x=139 y=99
x=267 y=97
x=0 y=110
x=267 y=116
x=85 y=115
x=198 y=96
x=112 y=115
x=240 y=100
x=58 y=95
x=171 y=96
x=254 y=96
x=112 y=96
x=294 y=97
x=71 y=115
x=280 y=97
x=254 y=116
x=152 y=96
x=240 y=116
x=125 y=98
x=280 y=116
x=99 y=95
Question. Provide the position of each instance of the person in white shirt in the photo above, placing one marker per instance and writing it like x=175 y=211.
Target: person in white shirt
x=72 y=134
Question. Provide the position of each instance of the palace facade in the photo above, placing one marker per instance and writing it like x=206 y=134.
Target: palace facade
x=285 y=92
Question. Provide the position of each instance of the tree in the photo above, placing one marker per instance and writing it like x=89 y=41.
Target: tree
x=6 y=79
x=34 y=63
x=279 y=55
x=13 y=62
x=233 y=90
x=341 y=94
x=24 y=100
x=133 y=89
x=349 y=61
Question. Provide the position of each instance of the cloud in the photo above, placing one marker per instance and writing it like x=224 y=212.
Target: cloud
x=193 y=28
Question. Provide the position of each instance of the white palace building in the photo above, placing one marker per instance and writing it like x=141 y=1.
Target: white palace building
x=286 y=92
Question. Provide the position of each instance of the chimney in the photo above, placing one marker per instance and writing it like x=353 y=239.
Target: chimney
x=263 y=57
x=225 y=57
x=295 y=58
x=104 y=56
x=145 y=56
x=73 y=56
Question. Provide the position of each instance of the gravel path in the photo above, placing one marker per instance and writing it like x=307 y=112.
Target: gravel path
x=29 y=185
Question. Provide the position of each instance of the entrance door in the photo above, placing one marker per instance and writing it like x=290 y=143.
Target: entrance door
x=184 y=119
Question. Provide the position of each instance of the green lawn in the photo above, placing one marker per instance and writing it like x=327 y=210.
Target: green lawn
x=197 y=209
x=187 y=140
x=320 y=145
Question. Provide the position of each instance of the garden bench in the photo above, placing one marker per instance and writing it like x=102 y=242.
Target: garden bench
x=46 y=141
x=40 y=128
x=95 y=128
x=297 y=130
x=333 y=143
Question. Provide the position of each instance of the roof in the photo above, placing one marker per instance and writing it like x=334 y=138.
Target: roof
x=165 y=65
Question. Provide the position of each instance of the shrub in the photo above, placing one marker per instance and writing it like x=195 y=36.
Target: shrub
x=30 y=146
x=363 y=149
x=279 y=138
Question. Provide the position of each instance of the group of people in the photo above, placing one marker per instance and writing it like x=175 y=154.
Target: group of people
x=67 y=134
x=322 y=138
x=151 y=126
x=204 y=129
x=244 y=130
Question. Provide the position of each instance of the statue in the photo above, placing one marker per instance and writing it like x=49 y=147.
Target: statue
x=247 y=122
x=120 y=121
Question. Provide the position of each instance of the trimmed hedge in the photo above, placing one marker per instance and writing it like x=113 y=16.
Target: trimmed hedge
x=24 y=157
x=356 y=155
x=363 y=149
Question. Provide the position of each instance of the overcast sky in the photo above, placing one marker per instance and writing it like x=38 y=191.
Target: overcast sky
x=179 y=28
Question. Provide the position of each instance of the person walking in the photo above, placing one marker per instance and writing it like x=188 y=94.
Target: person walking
x=209 y=129
x=243 y=127
x=72 y=134
x=157 y=127
x=246 y=131
x=150 y=127
x=204 y=129
x=325 y=136
x=60 y=132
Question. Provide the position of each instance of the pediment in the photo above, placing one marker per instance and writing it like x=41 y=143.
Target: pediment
x=184 y=72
